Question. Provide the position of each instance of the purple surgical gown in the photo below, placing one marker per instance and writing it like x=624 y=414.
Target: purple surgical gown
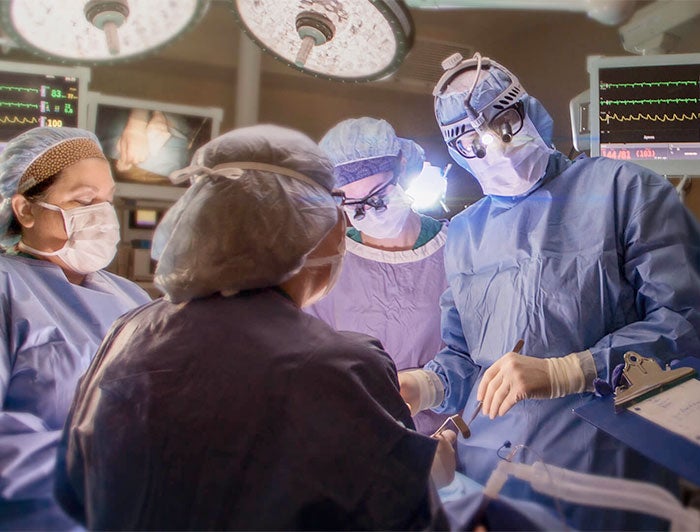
x=50 y=331
x=393 y=296
x=242 y=412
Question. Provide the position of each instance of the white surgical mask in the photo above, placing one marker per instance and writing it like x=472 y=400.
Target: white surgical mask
x=335 y=262
x=513 y=168
x=93 y=235
x=389 y=222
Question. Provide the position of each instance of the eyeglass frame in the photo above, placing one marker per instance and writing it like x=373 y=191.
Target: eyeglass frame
x=518 y=107
x=360 y=203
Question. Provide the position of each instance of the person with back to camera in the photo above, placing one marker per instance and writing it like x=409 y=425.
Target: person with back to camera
x=583 y=260
x=59 y=230
x=240 y=411
x=393 y=273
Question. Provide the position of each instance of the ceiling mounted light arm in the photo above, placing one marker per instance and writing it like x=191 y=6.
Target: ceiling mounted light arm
x=90 y=32
x=339 y=40
x=314 y=30
x=108 y=16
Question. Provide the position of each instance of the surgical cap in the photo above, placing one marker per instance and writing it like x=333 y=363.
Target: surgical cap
x=36 y=155
x=412 y=158
x=361 y=147
x=248 y=224
x=449 y=107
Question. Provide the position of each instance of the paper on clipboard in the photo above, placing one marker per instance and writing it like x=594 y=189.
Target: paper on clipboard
x=676 y=409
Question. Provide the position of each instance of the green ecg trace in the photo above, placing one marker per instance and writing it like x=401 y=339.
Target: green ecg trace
x=649 y=101
x=638 y=84
x=19 y=89
x=21 y=105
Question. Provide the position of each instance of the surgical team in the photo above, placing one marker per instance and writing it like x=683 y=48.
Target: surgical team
x=316 y=335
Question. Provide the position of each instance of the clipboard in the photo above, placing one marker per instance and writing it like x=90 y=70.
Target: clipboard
x=664 y=447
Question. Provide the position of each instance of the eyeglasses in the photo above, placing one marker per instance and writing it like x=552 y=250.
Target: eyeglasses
x=505 y=125
x=356 y=207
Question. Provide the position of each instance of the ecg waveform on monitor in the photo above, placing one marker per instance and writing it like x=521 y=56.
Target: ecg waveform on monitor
x=641 y=84
x=19 y=105
x=14 y=88
x=608 y=117
x=20 y=120
x=649 y=101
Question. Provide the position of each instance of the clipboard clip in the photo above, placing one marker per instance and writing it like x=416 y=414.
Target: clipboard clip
x=642 y=378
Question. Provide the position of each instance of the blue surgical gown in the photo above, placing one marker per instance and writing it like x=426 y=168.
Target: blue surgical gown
x=601 y=256
x=242 y=413
x=50 y=331
x=393 y=296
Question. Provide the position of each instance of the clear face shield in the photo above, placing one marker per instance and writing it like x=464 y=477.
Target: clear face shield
x=501 y=113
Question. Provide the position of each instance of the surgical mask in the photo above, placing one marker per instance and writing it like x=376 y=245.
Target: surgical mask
x=513 y=168
x=388 y=222
x=93 y=234
x=335 y=262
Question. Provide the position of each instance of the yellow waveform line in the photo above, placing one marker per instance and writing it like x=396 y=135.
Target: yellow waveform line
x=17 y=120
x=652 y=118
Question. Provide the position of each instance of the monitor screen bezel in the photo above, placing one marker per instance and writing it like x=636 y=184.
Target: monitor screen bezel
x=82 y=74
x=146 y=191
x=596 y=64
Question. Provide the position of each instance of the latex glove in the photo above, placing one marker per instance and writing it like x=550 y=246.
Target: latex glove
x=515 y=377
x=421 y=389
x=444 y=462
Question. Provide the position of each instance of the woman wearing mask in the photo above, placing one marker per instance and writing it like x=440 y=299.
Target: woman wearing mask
x=393 y=276
x=59 y=230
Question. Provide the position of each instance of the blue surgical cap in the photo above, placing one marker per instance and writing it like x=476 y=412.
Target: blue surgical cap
x=361 y=147
x=449 y=107
x=412 y=158
x=18 y=154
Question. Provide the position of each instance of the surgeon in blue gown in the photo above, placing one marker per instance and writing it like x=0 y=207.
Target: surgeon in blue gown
x=583 y=260
x=59 y=230
x=223 y=405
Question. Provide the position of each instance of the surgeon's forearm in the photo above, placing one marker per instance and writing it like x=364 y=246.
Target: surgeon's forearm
x=426 y=389
x=573 y=373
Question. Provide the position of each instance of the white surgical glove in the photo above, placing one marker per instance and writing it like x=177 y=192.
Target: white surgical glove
x=444 y=462
x=421 y=389
x=515 y=377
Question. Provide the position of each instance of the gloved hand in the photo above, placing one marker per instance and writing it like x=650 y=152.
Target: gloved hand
x=444 y=463
x=420 y=389
x=515 y=377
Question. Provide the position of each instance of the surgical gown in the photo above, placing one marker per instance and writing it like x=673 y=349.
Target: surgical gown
x=601 y=256
x=50 y=330
x=242 y=412
x=393 y=296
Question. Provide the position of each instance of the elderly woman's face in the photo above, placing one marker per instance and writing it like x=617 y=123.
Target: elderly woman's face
x=86 y=182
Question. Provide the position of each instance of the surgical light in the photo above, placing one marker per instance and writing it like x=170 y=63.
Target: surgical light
x=339 y=40
x=97 y=31
x=428 y=188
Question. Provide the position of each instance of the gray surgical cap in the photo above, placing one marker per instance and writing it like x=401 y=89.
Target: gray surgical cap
x=19 y=154
x=259 y=202
x=361 y=147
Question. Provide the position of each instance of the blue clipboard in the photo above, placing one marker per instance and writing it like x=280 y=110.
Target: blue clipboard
x=678 y=454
